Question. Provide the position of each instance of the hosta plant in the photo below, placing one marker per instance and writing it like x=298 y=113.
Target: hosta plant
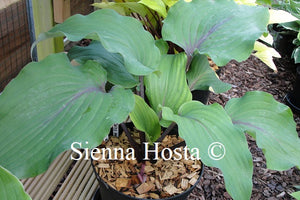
x=129 y=71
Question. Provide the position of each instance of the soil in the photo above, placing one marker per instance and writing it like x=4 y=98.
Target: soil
x=250 y=75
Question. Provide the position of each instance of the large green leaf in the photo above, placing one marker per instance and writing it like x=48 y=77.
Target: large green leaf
x=115 y=32
x=207 y=128
x=145 y=119
x=10 y=187
x=52 y=104
x=168 y=88
x=223 y=30
x=272 y=124
x=202 y=77
x=113 y=63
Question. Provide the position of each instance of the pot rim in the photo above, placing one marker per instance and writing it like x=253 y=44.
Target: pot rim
x=291 y=104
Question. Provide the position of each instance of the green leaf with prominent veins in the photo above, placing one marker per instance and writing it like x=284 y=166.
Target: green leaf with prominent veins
x=271 y=124
x=168 y=88
x=223 y=30
x=115 y=32
x=220 y=143
x=52 y=104
x=113 y=63
x=145 y=119
x=10 y=187
x=202 y=77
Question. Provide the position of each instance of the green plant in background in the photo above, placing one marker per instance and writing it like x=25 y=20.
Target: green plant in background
x=291 y=6
x=294 y=29
x=279 y=13
x=52 y=104
x=288 y=27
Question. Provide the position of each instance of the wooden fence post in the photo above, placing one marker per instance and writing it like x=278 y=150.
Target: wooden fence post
x=61 y=10
x=43 y=21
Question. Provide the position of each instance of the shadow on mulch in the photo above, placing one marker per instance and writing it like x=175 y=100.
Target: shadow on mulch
x=251 y=75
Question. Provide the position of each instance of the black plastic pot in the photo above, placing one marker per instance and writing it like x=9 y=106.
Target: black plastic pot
x=105 y=192
x=201 y=95
x=283 y=40
x=283 y=43
x=293 y=98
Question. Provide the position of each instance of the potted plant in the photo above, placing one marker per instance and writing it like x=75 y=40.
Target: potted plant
x=287 y=42
x=128 y=73
x=293 y=98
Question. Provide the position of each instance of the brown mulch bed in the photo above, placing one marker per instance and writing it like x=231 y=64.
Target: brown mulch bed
x=250 y=75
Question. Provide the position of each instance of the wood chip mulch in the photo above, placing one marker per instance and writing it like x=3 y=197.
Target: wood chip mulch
x=250 y=75
x=163 y=179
